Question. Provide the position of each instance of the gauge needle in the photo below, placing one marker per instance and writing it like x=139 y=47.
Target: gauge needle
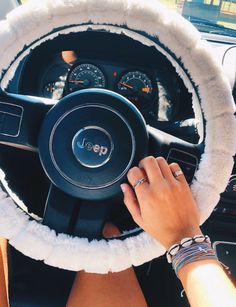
x=77 y=81
x=126 y=85
x=146 y=90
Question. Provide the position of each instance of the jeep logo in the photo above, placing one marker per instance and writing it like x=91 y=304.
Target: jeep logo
x=100 y=150
x=92 y=146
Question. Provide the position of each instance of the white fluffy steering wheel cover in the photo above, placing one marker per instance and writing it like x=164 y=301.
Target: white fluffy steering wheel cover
x=27 y=23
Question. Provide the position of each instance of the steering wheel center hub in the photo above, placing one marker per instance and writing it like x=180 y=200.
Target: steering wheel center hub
x=92 y=146
x=88 y=142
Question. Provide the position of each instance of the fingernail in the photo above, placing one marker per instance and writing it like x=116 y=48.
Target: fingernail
x=123 y=188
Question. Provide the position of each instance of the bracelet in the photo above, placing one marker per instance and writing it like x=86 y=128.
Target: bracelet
x=192 y=253
x=174 y=249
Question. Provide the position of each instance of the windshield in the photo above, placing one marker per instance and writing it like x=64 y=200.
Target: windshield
x=212 y=16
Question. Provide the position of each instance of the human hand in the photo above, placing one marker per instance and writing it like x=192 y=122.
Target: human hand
x=163 y=205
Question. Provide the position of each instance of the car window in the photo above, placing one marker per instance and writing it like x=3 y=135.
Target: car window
x=211 y=16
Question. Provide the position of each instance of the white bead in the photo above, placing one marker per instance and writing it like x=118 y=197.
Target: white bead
x=184 y=240
x=199 y=239
x=187 y=243
x=172 y=246
x=199 y=236
x=175 y=250
x=169 y=259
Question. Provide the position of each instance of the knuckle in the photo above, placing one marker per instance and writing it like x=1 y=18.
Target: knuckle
x=153 y=193
x=142 y=162
x=146 y=160
x=132 y=171
x=150 y=158
x=176 y=187
x=166 y=189
x=174 y=165
x=161 y=159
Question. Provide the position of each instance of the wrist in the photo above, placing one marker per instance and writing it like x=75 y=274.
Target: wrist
x=190 y=250
x=178 y=236
x=193 y=266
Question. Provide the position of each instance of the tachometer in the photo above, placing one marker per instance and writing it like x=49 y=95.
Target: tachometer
x=137 y=83
x=86 y=76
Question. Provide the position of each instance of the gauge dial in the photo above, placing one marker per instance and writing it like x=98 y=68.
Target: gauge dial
x=53 y=90
x=86 y=76
x=48 y=89
x=136 y=83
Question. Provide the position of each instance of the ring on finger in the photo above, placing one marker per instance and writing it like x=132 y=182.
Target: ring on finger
x=140 y=182
x=178 y=173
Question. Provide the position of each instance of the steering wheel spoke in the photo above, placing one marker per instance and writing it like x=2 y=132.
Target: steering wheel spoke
x=21 y=118
x=59 y=210
x=68 y=214
x=174 y=149
x=91 y=219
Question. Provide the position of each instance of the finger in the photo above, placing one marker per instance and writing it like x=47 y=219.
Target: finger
x=134 y=175
x=165 y=169
x=151 y=168
x=131 y=203
x=175 y=169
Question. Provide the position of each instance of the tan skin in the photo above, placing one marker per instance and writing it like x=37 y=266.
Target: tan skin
x=204 y=281
x=105 y=290
x=3 y=273
x=162 y=195
x=90 y=290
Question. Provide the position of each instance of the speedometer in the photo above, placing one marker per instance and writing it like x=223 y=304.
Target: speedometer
x=86 y=76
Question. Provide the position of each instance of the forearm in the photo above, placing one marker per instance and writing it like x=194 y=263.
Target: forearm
x=206 y=284
x=163 y=206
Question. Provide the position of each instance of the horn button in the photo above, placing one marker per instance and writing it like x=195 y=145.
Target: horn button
x=92 y=146
x=88 y=142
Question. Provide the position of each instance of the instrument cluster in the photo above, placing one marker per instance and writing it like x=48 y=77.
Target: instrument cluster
x=148 y=81
x=135 y=83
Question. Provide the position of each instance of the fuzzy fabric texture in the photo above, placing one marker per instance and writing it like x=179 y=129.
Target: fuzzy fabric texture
x=34 y=20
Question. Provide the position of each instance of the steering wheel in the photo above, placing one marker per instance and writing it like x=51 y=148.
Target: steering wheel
x=88 y=140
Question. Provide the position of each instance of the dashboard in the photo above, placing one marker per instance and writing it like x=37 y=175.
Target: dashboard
x=140 y=73
x=68 y=72
x=98 y=60
x=144 y=76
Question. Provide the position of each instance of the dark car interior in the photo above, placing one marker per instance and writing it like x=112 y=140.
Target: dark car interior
x=145 y=77
x=49 y=72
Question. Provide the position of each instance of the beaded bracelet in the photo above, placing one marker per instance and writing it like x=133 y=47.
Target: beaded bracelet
x=174 y=249
x=195 y=252
x=190 y=250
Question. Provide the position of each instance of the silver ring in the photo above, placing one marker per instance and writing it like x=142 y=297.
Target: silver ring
x=139 y=182
x=178 y=173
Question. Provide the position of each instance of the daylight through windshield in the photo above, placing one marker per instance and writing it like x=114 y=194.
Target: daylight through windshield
x=214 y=16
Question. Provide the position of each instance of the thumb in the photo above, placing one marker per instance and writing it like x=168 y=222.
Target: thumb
x=132 y=204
